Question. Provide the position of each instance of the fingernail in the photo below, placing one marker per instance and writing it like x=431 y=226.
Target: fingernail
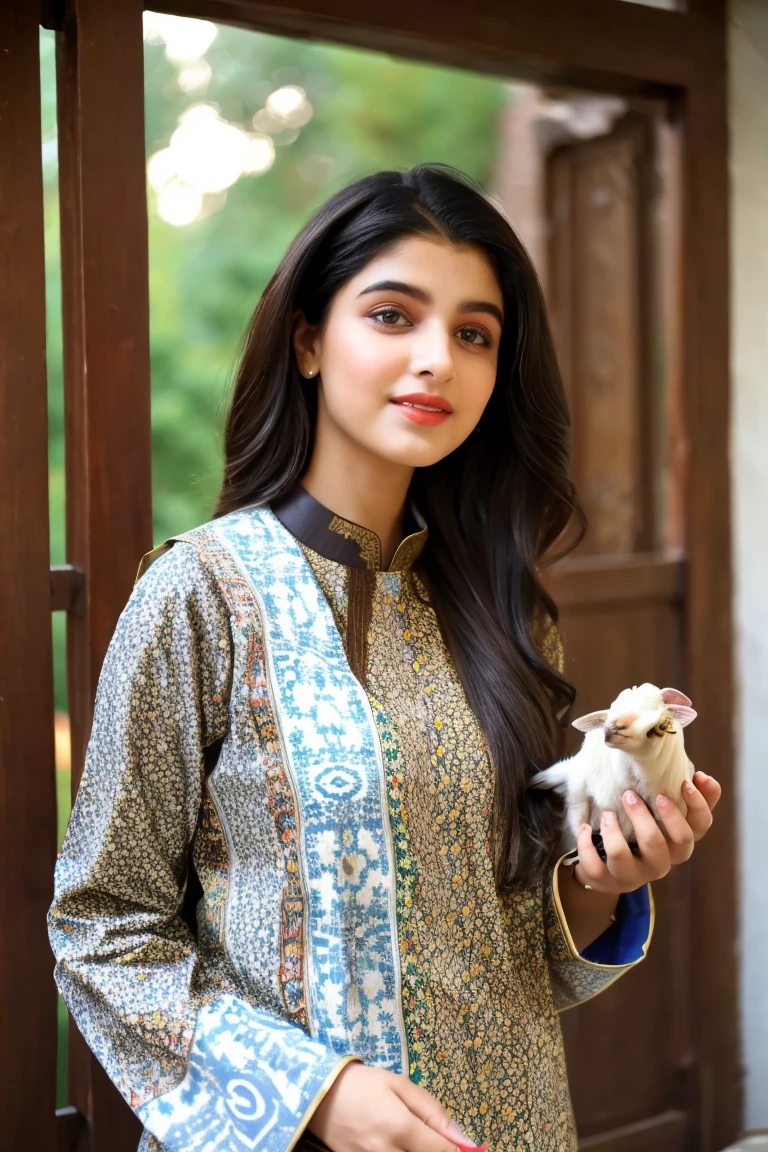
x=456 y=1133
x=689 y=789
x=661 y=801
x=609 y=817
x=630 y=797
x=585 y=828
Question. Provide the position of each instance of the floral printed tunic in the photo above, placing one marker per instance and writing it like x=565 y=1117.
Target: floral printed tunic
x=282 y=747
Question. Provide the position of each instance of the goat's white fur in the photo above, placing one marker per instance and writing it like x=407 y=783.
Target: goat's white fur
x=618 y=753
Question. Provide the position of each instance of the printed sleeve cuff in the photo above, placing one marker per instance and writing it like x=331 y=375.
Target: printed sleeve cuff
x=626 y=941
x=253 y=1080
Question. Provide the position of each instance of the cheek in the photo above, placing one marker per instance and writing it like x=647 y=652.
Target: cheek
x=356 y=366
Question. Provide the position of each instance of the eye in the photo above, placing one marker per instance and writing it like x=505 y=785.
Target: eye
x=389 y=316
x=472 y=335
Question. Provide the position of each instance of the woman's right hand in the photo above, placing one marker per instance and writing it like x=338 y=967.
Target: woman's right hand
x=370 y=1110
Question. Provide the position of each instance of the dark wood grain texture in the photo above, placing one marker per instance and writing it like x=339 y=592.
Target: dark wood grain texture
x=709 y=631
x=107 y=392
x=648 y=617
x=71 y=1131
x=600 y=296
x=27 y=792
x=600 y=44
x=661 y=1133
x=67 y=589
x=600 y=581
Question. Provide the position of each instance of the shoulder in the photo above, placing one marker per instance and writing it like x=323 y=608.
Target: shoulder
x=177 y=578
x=176 y=565
x=188 y=557
x=212 y=567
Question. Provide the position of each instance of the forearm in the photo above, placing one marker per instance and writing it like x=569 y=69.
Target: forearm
x=587 y=913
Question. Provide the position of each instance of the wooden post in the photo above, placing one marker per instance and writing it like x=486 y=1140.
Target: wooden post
x=27 y=783
x=714 y=927
x=100 y=70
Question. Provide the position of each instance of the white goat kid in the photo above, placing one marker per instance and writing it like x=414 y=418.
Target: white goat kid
x=637 y=743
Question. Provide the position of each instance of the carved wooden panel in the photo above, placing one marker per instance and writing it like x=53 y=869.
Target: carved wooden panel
x=599 y=286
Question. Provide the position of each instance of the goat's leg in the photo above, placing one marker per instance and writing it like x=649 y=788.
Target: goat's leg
x=579 y=812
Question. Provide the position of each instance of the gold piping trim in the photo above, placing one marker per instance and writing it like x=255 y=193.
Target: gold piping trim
x=367 y=541
x=149 y=558
x=575 y=954
x=408 y=551
x=314 y=1104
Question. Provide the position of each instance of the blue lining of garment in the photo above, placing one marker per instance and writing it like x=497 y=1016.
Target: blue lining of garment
x=624 y=942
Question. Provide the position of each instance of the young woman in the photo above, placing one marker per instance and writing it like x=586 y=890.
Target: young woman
x=305 y=894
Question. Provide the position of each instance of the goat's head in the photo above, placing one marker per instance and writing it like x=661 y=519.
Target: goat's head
x=640 y=719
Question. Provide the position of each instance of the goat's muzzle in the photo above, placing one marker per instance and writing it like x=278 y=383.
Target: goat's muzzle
x=613 y=732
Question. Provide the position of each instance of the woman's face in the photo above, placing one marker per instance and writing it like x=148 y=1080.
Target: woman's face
x=407 y=356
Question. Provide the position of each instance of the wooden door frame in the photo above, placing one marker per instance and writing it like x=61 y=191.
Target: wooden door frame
x=599 y=44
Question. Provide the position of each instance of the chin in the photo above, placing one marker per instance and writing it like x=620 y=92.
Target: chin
x=413 y=459
x=419 y=450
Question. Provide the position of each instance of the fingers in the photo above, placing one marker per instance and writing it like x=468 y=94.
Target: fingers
x=650 y=839
x=679 y=833
x=709 y=788
x=699 y=813
x=590 y=868
x=431 y=1128
x=416 y=1136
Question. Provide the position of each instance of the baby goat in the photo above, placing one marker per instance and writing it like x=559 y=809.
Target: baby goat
x=638 y=743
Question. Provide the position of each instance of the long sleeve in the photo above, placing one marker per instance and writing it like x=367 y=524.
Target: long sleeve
x=578 y=976
x=203 y=1065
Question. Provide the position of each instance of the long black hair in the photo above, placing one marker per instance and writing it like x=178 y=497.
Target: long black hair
x=494 y=506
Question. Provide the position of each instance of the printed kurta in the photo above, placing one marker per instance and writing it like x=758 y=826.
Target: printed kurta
x=283 y=714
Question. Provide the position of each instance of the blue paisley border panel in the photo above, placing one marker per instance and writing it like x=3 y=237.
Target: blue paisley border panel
x=333 y=758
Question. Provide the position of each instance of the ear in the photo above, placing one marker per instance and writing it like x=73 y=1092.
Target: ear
x=672 y=696
x=683 y=714
x=307 y=344
x=590 y=721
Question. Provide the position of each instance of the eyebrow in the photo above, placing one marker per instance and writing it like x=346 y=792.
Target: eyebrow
x=425 y=298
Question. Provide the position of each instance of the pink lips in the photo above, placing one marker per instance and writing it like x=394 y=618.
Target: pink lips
x=424 y=407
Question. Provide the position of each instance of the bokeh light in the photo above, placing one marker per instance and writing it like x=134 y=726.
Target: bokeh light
x=184 y=38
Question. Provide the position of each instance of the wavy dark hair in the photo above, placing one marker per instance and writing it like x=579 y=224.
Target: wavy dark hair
x=494 y=506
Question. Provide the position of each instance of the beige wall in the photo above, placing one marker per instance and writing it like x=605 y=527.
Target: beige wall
x=749 y=450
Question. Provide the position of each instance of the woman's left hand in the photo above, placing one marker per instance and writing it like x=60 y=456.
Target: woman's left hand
x=659 y=846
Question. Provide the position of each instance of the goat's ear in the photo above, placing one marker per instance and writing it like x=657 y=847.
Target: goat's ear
x=683 y=714
x=672 y=696
x=590 y=721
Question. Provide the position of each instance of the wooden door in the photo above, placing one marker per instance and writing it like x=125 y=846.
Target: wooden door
x=622 y=595
x=650 y=615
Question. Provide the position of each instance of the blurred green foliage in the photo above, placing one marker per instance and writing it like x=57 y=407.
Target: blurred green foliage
x=371 y=111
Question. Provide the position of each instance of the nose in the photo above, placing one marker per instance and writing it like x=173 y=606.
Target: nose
x=611 y=731
x=433 y=354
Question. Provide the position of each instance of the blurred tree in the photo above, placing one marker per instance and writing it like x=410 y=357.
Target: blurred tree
x=370 y=111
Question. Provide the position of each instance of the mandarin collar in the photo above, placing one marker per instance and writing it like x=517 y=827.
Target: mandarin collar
x=342 y=540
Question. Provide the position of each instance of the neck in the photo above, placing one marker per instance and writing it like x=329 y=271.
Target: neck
x=360 y=487
x=669 y=747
